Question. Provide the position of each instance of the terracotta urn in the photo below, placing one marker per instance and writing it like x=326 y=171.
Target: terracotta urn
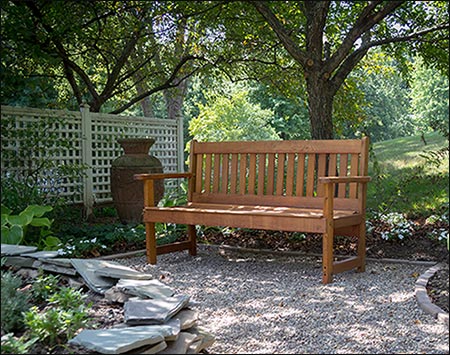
x=127 y=193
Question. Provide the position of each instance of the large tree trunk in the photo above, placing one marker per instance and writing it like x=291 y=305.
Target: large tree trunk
x=174 y=100
x=320 y=107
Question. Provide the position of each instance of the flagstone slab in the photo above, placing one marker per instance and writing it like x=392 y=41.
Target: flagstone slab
x=54 y=268
x=206 y=337
x=118 y=271
x=181 y=345
x=19 y=261
x=117 y=340
x=145 y=288
x=169 y=330
x=153 y=349
x=153 y=311
x=45 y=254
x=64 y=262
x=86 y=268
x=14 y=249
x=187 y=317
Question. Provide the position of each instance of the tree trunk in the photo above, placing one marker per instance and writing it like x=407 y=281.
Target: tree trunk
x=174 y=100
x=320 y=107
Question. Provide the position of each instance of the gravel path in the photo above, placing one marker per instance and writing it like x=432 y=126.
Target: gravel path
x=257 y=303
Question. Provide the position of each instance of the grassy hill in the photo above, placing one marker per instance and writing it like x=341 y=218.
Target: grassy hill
x=407 y=178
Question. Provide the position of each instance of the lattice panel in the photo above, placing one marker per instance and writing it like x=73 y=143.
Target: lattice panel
x=106 y=129
x=32 y=137
x=32 y=133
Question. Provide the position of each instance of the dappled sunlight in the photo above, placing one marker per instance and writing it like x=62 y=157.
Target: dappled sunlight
x=257 y=303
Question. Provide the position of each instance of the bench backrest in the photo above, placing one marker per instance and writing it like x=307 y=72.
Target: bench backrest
x=276 y=173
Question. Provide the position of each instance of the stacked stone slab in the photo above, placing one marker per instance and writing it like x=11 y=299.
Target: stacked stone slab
x=157 y=321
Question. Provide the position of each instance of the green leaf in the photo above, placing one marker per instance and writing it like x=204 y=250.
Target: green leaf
x=41 y=222
x=13 y=235
x=52 y=243
x=5 y=210
x=23 y=219
x=37 y=210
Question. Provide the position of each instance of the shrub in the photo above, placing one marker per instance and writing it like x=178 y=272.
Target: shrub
x=13 y=303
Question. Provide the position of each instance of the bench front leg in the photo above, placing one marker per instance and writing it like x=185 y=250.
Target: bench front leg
x=328 y=236
x=150 y=241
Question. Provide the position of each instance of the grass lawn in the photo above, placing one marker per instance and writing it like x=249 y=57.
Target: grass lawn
x=404 y=180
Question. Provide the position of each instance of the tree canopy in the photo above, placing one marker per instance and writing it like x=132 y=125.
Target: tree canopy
x=115 y=54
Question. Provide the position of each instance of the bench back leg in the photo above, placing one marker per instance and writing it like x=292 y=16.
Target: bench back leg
x=362 y=248
x=150 y=241
x=192 y=234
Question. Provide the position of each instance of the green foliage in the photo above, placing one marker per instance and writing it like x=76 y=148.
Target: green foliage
x=430 y=98
x=44 y=286
x=59 y=321
x=15 y=345
x=15 y=227
x=231 y=116
x=13 y=303
x=403 y=181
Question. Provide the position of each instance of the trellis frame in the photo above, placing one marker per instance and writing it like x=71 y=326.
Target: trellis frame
x=94 y=144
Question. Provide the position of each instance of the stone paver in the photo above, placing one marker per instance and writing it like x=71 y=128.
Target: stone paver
x=12 y=249
x=145 y=288
x=153 y=311
x=117 y=340
x=86 y=268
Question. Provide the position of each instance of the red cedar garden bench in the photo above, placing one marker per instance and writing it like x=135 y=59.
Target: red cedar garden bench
x=310 y=186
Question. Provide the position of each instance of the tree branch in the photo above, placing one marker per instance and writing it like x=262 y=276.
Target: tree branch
x=281 y=32
x=364 y=22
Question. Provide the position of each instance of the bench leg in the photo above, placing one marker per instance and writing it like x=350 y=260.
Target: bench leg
x=150 y=240
x=192 y=234
x=327 y=256
x=362 y=248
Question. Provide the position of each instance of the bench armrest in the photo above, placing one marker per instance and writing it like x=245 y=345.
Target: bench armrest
x=343 y=179
x=158 y=176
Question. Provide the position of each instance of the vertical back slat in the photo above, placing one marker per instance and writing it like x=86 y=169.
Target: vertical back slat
x=242 y=173
x=216 y=175
x=310 y=175
x=261 y=173
x=300 y=180
x=234 y=171
x=280 y=174
x=270 y=174
x=208 y=172
x=290 y=174
x=199 y=173
x=353 y=171
x=343 y=163
x=321 y=168
x=225 y=169
x=252 y=174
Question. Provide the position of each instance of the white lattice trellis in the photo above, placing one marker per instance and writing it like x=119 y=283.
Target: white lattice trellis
x=90 y=139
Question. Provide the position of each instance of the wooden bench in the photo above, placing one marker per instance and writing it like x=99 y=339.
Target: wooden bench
x=309 y=186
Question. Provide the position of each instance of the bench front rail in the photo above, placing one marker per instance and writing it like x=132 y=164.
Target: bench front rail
x=300 y=186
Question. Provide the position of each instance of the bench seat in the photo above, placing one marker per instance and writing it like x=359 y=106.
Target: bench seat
x=255 y=217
